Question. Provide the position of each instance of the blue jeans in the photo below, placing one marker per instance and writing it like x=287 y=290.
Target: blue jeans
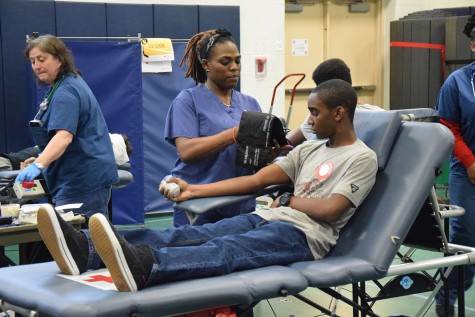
x=233 y=244
x=462 y=229
x=95 y=202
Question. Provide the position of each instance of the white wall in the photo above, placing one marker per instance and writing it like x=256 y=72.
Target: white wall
x=396 y=9
x=262 y=35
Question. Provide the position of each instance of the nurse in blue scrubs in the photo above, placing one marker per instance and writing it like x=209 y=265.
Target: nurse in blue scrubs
x=76 y=157
x=202 y=122
x=456 y=106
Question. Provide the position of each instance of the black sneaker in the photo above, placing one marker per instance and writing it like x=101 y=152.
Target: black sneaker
x=440 y=311
x=129 y=265
x=68 y=246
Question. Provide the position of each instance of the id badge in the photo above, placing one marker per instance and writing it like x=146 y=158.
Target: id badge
x=40 y=134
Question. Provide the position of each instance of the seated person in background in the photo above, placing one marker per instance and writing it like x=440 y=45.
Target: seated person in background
x=12 y=161
x=331 y=179
x=333 y=68
x=122 y=148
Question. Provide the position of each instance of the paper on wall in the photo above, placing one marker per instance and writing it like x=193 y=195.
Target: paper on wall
x=157 y=55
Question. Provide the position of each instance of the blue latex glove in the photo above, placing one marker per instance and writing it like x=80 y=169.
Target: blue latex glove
x=28 y=174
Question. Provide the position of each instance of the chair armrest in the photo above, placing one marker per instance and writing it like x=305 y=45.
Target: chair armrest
x=447 y=211
x=126 y=166
x=8 y=175
x=201 y=205
x=125 y=178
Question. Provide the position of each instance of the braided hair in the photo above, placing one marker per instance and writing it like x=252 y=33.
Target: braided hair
x=198 y=48
x=469 y=29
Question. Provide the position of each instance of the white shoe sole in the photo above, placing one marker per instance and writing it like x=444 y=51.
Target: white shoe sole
x=108 y=247
x=52 y=235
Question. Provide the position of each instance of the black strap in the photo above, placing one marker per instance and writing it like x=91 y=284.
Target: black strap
x=255 y=138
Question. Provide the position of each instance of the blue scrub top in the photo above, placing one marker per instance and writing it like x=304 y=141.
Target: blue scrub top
x=88 y=163
x=456 y=103
x=198 y=112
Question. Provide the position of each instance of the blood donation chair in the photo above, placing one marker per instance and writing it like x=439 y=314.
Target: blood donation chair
x=409 y=156
x=419 y=114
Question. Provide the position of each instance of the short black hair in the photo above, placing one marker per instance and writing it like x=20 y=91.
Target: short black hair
x=333 y=68
x=337 y=92
x=128 y=145
x=469 y=29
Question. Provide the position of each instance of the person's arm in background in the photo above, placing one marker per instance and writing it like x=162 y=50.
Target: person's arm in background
x=27 y=162
x=296 y=137
x=461 y=150
x=301 y=134
x=450 y=115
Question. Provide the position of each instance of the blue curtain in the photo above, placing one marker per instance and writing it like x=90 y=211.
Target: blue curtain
x=159 y=156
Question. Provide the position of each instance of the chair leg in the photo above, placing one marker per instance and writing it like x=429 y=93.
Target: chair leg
x=109 y=209
x=461 y=290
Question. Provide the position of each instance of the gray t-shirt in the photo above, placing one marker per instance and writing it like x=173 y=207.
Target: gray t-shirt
x=318 y=171
x=5 y=164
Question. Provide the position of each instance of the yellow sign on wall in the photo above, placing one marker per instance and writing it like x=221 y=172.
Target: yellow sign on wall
x=157 y=55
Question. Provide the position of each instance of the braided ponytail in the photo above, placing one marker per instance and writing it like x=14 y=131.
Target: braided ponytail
x=195 y=69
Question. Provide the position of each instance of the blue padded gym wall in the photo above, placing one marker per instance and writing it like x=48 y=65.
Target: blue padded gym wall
x=17 y=19
x=73 y=19
x=421 y=55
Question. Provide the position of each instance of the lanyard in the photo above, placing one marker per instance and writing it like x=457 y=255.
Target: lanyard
x=49 y=95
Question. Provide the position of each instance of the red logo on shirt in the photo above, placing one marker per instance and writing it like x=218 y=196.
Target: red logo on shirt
x=324 y=171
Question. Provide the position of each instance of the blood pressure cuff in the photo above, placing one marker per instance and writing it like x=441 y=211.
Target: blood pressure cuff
x=256 y=132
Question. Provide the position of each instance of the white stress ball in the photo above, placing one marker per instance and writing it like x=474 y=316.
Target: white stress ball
x=173 y=189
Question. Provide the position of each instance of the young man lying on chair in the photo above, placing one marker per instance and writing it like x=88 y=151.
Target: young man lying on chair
x=331 y=179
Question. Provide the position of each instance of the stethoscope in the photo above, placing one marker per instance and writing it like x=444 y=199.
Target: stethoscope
x=47 y=99
x=471 y=81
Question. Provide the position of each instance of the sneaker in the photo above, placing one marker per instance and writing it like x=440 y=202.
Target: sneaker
x=440 y=311
x=68 y=246
x=129 y=265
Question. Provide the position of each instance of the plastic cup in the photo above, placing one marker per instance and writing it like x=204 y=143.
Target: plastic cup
x=10 y=210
